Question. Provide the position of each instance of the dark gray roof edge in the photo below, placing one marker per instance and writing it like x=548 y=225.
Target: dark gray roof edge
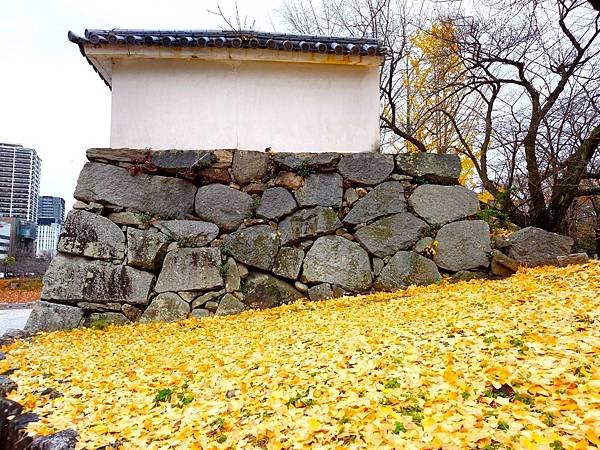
x=80 y=41
x=231 y=39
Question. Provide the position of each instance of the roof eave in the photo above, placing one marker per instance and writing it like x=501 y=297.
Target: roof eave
x=73 y=37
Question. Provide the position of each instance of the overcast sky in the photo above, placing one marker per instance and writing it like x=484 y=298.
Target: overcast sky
x=51 y=99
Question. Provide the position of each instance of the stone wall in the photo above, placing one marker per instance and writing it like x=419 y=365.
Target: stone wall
x=167 y=234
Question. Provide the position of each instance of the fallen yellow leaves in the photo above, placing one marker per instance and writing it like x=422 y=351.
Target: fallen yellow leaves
x=481 y=364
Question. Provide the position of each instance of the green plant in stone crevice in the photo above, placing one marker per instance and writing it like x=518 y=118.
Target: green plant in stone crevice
x=253 y=207
x=304 y=169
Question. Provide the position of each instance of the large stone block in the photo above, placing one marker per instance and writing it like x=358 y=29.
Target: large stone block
x=255 y=246
x=463 y=245
x=167 y=307
x=335 y=260
x=190 y=269
x=433 y=167
x=276 y=203
x=321 y=189
x=439 y=205
x=52 y=316
x=390 y=234
x=266 y=291
x=383 y=200
x=224 y=206
x=249 y=166
x=366 y=168
x=404 y=269
x=71 y=279
x=308 y=223
x=146 y=249
x=313 y=161
x=114 y=185
x=533 y=246
x=288 y=262
x=229 y=305
x=91 y=235
x=195 y=232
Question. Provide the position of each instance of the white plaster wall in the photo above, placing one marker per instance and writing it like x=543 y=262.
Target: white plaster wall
x=250 y=105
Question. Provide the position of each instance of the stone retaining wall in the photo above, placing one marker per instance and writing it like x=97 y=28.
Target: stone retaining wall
x=161 y=235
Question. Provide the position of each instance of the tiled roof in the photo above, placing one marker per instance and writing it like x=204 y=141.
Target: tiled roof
x=231 y=39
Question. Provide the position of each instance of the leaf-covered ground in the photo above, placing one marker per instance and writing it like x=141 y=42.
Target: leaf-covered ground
x=496 y=364
x=26 y=290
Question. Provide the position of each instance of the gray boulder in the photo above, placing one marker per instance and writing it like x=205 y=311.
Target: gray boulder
x=196 y=232
x=533 y=246
x=366 y=168
x=167 y=307
x=502 y=265
x=254 y=246
x=308 y=223
x=229 y=305
x=249 y=166
x=405 y=269
x=275 y=203
x=315 y=161
x=390 y=234
x=321 y=189
x=201 y=300
x=200 y=313
x=52 y=316
x=433 y=167
x=114 y=185
x=320 y=292
x=102 y=307
x=574 y=258
x=128 y=218
x=70 y=279
x=224 y=206
x=190 y=269
x=266 y=291
x=288 y=262
x=232 y=279
x=383 y=200
x=91 y=235
x=335 y=260
x=439 y=205
x=6 y=386
x=463 y=245
x=146 y=249
x=62 y=440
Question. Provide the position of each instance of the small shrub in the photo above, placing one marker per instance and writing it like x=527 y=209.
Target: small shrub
x=163 y=395
x=304 y=169
x=253 y=207
x=398 y=428
x=99 y=324
x=502 y=425
x=224 y=269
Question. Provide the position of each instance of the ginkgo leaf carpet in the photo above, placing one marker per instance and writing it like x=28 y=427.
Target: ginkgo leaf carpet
x=513 y=363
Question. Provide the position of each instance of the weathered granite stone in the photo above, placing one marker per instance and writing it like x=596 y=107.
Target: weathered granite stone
x=173 y=161
x=254 y=188
x=255 y=246
x=321 y=189
x=232 y=279
x=320 y=292
x=390 y=234
x=289 y=180
x=574 y=258
x=463 y=245
x=224 y=206
x=335 y=260
x=71 y=279
x=109 y=184
x=350 y=196
x=338 y=291
x=91 y=235
x=205 y=298
x=439 y=205
x=190 y=269
x=146 y=249
x=242 y=269
x=378 y=264
x=125 y=218
x=108 y=317
x=312 y=161
x=422 y=244
x=366 y=168
x=301 y=287
x=167 y=307
x=404 y=269
x=266 y=291
x=62 y=440
x=211 y=306
x=6 y=386
x=275 y=203
x=383 y=200
x=533 y=246
x=104 y=307
x=200 y=313
x=198 y=233
x=133 y=313
x=502 y=265
x=249 y=166
x=288 y=262
x=214 y=175
x=433 y=167
x=52 y=316
x=229 y=305
x=308 y=223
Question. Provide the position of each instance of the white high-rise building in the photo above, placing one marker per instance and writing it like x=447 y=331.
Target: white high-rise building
x=47 y=240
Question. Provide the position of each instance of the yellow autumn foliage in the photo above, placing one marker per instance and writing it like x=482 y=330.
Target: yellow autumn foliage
x=512 y=363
